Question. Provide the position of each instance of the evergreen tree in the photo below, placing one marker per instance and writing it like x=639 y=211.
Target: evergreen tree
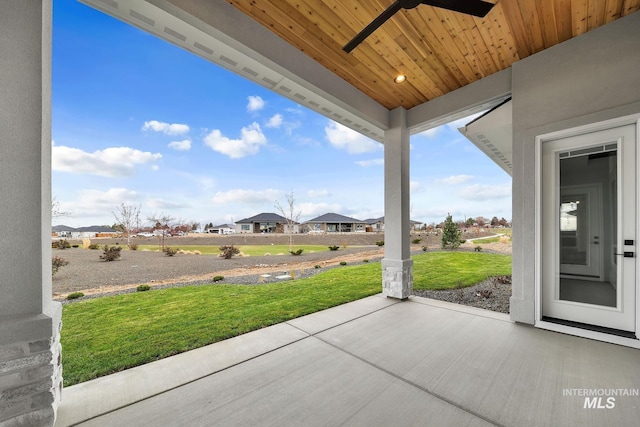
x=450 y=234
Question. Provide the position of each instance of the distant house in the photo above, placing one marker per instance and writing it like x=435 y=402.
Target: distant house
x=266 y=223
x=374 y=224
x=222 y=229
x=377 y=224
x=66 y=232
x=62 y=231
x=96 y=231
x=335 y=223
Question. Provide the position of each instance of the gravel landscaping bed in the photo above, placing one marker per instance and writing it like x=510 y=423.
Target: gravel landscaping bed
x=96 y=278
x=490 y=295
x=86 y=272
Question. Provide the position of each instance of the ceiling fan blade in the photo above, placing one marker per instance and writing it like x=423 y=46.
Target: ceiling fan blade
x=381 y=19
x=477 y=8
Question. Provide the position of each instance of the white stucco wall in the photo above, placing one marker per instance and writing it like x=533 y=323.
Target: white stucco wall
x=587 y=79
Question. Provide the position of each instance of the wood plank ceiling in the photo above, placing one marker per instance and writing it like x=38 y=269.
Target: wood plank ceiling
x=437 y=49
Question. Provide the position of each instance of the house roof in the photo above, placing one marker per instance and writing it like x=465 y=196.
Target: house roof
x=223 y=226
x=335 y=218
x=438 y=49
x=381 y=219
x=58 y=228
x=263 y=217
x=294 y=48
x=96 y=229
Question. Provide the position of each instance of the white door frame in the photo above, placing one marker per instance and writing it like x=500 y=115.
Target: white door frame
x=540 y=139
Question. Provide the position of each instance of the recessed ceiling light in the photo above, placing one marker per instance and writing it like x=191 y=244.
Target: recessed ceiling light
x=400 y=78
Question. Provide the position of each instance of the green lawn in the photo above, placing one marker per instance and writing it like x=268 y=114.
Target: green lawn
x=446 y=270
x=251 y=250
x=109 y=334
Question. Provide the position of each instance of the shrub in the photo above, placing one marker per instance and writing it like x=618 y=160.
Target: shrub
x=484 y=293
x=380 y=243
x=75 y=246
x=343 y=262
x=297 y=252
x=462 y=241
x=424 y=248
x=75 y=295
x=450 y=234
x=170 y=251
x=365 y=260
x=110 y=253
x=334 y=247
x=478 y=248
x=133 y=246
x=416 y=241
x=55 y=244
x=56 y=263
x=218 y=278
x=93 y=246
x=142 y=288
x=316 y=266
x=228 y=251
x=63 y=244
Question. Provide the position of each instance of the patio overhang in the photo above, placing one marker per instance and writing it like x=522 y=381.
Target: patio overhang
x=462 y=66
x=492 y=133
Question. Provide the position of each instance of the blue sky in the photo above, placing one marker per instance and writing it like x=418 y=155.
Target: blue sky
x=139 y=121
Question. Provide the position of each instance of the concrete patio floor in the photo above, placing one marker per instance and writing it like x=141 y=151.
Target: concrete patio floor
x=374 y=362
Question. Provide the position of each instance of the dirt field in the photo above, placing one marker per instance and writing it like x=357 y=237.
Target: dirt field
x=87 y=273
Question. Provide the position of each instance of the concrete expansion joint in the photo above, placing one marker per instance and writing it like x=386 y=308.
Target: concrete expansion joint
x=411 y=383
x=343 y=323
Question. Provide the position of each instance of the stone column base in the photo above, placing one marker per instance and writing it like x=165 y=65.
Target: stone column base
x=397 y=278
x=30 y=370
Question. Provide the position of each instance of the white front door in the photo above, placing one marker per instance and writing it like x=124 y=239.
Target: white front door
x=589 y=229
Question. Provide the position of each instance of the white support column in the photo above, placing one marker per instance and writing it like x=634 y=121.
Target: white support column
x=397 y=266
x=30 y=366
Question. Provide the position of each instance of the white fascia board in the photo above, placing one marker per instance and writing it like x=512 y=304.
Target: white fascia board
x=492 y=133
x=476 y=97
x=219 y=33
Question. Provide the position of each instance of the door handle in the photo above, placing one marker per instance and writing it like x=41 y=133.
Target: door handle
x=627 y=254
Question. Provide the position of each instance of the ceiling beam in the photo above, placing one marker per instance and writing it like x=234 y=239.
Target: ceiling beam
x=478 y=96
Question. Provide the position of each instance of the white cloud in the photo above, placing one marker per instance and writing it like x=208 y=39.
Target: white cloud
x=161 y=204
x=343 y=138
x=166 y=128
x=114 y=161
x=249 y=143
x=312 y=210
x=275 y=121
x=416 y=187
x=184 y=145
x=372 y=162
x=485 y=192
x=255 y=103
x=455 y=179
x=318 y=193
x=247 y=196
x=97 y=203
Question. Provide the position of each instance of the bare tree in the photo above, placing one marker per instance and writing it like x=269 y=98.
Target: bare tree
x=55 y=209
x=290 y=215
x=162 y=222
x=128 y=217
